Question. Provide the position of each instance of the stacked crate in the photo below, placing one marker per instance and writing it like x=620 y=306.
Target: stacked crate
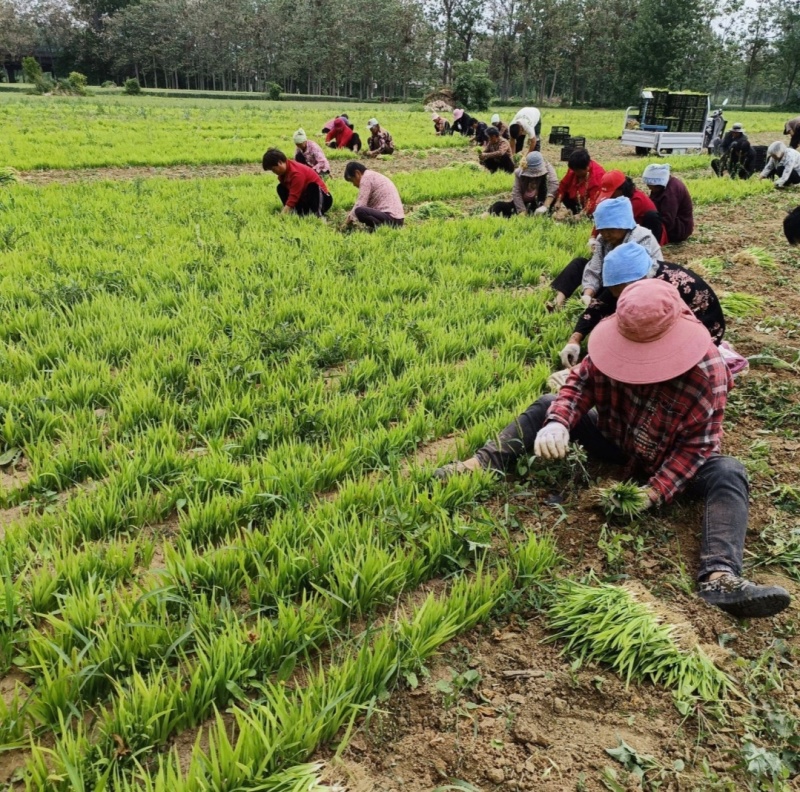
x=558 y=135
x=570 y=144
x=687 y=111
x=652 y=111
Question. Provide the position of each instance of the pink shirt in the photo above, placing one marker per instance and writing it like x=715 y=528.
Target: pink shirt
x=315 y=157
x=378 y=192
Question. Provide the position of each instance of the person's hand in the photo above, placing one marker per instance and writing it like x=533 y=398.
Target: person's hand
x=542 y=210
x=570 y=355
x=586 y=298
x=651 y=497
x=592 y=243
x=552 y=441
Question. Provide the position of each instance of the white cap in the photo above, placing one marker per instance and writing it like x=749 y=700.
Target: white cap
x=373 y=122
x=495 y=119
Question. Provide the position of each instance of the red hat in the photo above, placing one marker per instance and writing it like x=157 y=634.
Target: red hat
x=653 y=336
x=610 y=183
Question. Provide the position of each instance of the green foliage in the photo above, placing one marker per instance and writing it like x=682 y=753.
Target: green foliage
x=108 y=84
x=78 y=83
x=273 y=91
x=32 y=70
x=472 y=86
x=623 y=499
x=132 y=87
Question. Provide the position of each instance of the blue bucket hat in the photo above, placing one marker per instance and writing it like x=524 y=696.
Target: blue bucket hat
x=625 y=264
x=614 y=213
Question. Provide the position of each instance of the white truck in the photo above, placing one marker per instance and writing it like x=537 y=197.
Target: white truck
x=656 y=137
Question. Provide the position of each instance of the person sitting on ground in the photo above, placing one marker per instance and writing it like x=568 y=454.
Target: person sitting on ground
x=300 y=188
x=342 y=136
x=615 y=225
x=527 y=122
x=310 y=153
x=441 y=125
x=651 y=396
x=615 y=184
x=462 y=123
x=580 y=188
x=792 y=127
x=672 y=200
x=534 y=191
x=479 y=128
x=496 y=154
x=782 y=162
x=378 y=201
x=791 y=226
x=328 y=125
x=738 y=156
x=380 y=141
x=500 y=126
x=629 y=263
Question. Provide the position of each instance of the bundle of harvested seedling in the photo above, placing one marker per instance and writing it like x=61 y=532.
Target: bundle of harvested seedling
x=623 y=499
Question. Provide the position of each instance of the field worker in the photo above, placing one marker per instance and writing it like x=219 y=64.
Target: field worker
x=500 y=126
x=580 y=188
x=342 y=136
x=782 y=162
x=629 y=263
x=479 y=137
x=380 y=141
x=615 y=225
x=672 y=200
x=441 y=125
x=615 y=184
x=651 y=396
x=791 y=226
x=534 y=191
x=310 y=153
x=300 y=188
x=328 y=125
x=736 y=133
x=739 y=160
x=462 y=122
x=526 y=123
x=378 y=201
x=792 y=127
x=496 y=154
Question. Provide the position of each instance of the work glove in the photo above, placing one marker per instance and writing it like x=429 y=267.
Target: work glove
x=592 y=243
x=570 y=355
x=552 y=441
x=541 y=210
x=586 y=299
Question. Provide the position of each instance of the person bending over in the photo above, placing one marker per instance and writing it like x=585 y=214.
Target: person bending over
x=579 y=190
x=526 y=123
x=378 y=201
x=615 y=184
x=380 y=141
x=496 y=154
x=650 y=396
x=342 y=136
x=534 y=191
x=300 y=188
x=783 y=163
x=310 y=153
x=672 y=200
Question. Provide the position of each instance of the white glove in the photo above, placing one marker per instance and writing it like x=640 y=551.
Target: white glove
x=592 y=243
x=586 y=299
x=570 y=355
x=541 y=210
x=552 y=441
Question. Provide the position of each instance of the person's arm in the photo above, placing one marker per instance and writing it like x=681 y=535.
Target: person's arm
x=593 y=272
x=295 y=193
x=768 y=168
x=552 y=185
x=516 y=195
x=599 y=308
x=563 y=188
x=668 y=209
x=575 y=398
x=362 y=199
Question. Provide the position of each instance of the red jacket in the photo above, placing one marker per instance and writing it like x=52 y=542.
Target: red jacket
x=297 y=178
x=585 y=192
x=341 y=133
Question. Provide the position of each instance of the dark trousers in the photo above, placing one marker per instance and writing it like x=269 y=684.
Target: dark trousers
x=793 y=179
x=504 y=163
x=313 y=201
x=372 y=218
x=722 y=481
x=570 y=278
x=507 y=208
x=736 y=169
x=652 y=221
x=795 y=141
x=353 y=145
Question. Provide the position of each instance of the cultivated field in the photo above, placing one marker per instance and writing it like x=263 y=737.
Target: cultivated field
x=226 y=565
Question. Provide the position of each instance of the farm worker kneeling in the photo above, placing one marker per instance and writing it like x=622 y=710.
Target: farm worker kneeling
x=615 y=225
x=616 y=184
x=534 y=191
x=462 y=122
x=527 y=122
x=500 y=126
x=479 y=132
x=328 y=125
x=496 y=154
x=579 y=190
x=380 y=141
x=791 y=226
x=792 y=127
x=342 y=136
x=782 y=162
x=672 y=200
x=378 y=201
x=651 y=395
x=310 y=153
x=441 y=125
x=300 y=189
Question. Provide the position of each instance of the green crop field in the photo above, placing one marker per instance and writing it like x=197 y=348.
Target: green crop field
x=217 y=507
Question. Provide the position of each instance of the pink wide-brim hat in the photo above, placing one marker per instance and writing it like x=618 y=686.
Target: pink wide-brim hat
x=653 y=336
x=457 y=114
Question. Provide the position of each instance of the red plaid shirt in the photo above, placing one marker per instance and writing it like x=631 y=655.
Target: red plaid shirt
x=669 y=429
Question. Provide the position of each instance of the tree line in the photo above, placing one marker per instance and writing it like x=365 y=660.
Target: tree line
x=598 y=52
